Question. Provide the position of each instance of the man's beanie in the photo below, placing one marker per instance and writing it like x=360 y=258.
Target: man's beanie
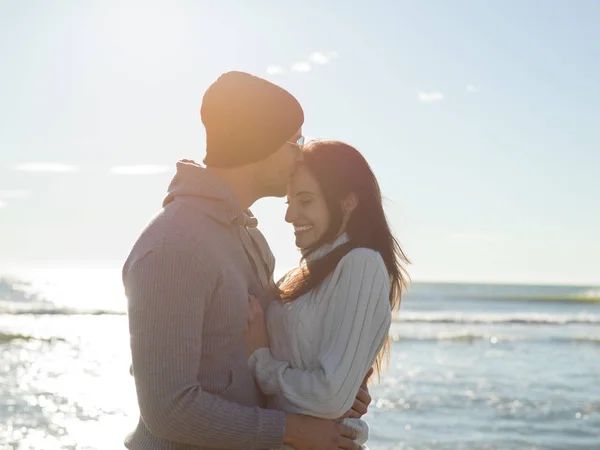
x=247 y=119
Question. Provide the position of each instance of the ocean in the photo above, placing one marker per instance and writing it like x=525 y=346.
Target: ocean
x=473 y=366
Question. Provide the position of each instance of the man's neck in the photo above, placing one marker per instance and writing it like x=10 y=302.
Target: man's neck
x=241 y=184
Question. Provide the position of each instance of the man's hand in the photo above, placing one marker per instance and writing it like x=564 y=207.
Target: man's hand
x=310 y=433
x=362 y=401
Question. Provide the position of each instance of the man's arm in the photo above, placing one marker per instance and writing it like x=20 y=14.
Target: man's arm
x=167 y=294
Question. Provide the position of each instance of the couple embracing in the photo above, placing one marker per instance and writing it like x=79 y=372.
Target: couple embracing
x=223 y=356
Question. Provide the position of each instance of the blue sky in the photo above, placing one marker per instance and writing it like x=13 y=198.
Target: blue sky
x=480 y=120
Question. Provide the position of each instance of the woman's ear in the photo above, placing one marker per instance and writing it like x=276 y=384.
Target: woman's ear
x=350 y=203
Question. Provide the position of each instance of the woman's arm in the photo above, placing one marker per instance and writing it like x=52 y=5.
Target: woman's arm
x=355 y=318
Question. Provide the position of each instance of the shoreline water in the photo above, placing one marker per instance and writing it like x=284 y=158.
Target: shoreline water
x=471 y=368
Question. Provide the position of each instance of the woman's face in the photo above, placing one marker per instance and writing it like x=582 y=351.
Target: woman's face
x=307 y=209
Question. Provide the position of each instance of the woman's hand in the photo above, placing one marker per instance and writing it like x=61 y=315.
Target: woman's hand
x=256 y=328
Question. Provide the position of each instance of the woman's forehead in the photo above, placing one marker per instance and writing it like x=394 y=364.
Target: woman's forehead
x=303 y=182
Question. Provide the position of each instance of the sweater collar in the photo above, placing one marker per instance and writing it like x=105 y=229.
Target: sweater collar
x=327 y=248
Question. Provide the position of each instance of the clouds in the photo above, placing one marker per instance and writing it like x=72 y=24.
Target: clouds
x=321 y=59
x=275 y=70
x=59 y=168
x=301 y=66
x=9 y=196
x=46 y=167
x=140 y=169
x=314 y=60
x=437 y=96
x=430 y=97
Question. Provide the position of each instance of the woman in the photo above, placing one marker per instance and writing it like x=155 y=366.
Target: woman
x=330 y=324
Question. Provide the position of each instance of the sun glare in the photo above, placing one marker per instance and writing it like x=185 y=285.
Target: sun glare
x=148 y=38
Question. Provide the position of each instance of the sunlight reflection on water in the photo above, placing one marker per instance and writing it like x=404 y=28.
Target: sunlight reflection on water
x=77 y=390
x=79 y=288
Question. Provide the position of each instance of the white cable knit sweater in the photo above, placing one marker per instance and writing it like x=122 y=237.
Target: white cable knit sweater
x=323 y=343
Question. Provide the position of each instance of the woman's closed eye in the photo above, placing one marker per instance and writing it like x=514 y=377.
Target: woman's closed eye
x=303 y=202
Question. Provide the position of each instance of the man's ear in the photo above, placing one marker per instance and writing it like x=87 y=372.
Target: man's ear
x=350 y=203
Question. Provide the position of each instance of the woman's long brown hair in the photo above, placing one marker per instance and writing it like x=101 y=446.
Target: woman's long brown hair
x=340 y=170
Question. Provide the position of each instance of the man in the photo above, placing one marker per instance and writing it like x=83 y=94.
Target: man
x=188 y=276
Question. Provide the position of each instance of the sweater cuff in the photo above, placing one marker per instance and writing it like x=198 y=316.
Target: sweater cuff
x=259 y=359
x=272 y=429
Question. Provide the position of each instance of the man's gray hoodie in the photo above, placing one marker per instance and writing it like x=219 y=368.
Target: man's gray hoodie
x=187 y=280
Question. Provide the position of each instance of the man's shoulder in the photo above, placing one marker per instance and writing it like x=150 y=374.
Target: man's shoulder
x=178 y=229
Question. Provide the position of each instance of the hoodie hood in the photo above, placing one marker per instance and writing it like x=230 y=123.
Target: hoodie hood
x=199 y=187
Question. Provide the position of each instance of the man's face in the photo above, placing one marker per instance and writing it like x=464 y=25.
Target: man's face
x=275 y=172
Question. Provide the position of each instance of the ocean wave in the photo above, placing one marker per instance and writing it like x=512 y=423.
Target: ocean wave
x=53 y=311
x=592 y=296
x=498 y=319
x=412 y=317
x=464 y=337
x=503 y=293
x=471 y=337
x=22 y=297
x=9 y=337
x=587 y=340
x=403 y=317
x=459 y=338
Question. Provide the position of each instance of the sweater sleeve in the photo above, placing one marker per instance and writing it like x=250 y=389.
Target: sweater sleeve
x=356 y=321
x=167 y=295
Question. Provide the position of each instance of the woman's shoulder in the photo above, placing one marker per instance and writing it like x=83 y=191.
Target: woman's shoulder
x=362 y=273
x=365 y=261
x=363 y=255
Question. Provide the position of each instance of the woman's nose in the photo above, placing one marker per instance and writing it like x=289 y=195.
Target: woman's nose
x=290 y=214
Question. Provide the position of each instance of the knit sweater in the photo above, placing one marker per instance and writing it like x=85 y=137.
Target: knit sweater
x=323 y=343
x=187 y=280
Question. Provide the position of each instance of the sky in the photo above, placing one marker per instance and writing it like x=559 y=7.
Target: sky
x=481 y=121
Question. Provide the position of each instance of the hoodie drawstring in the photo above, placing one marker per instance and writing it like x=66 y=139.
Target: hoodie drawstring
x=251 y=259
